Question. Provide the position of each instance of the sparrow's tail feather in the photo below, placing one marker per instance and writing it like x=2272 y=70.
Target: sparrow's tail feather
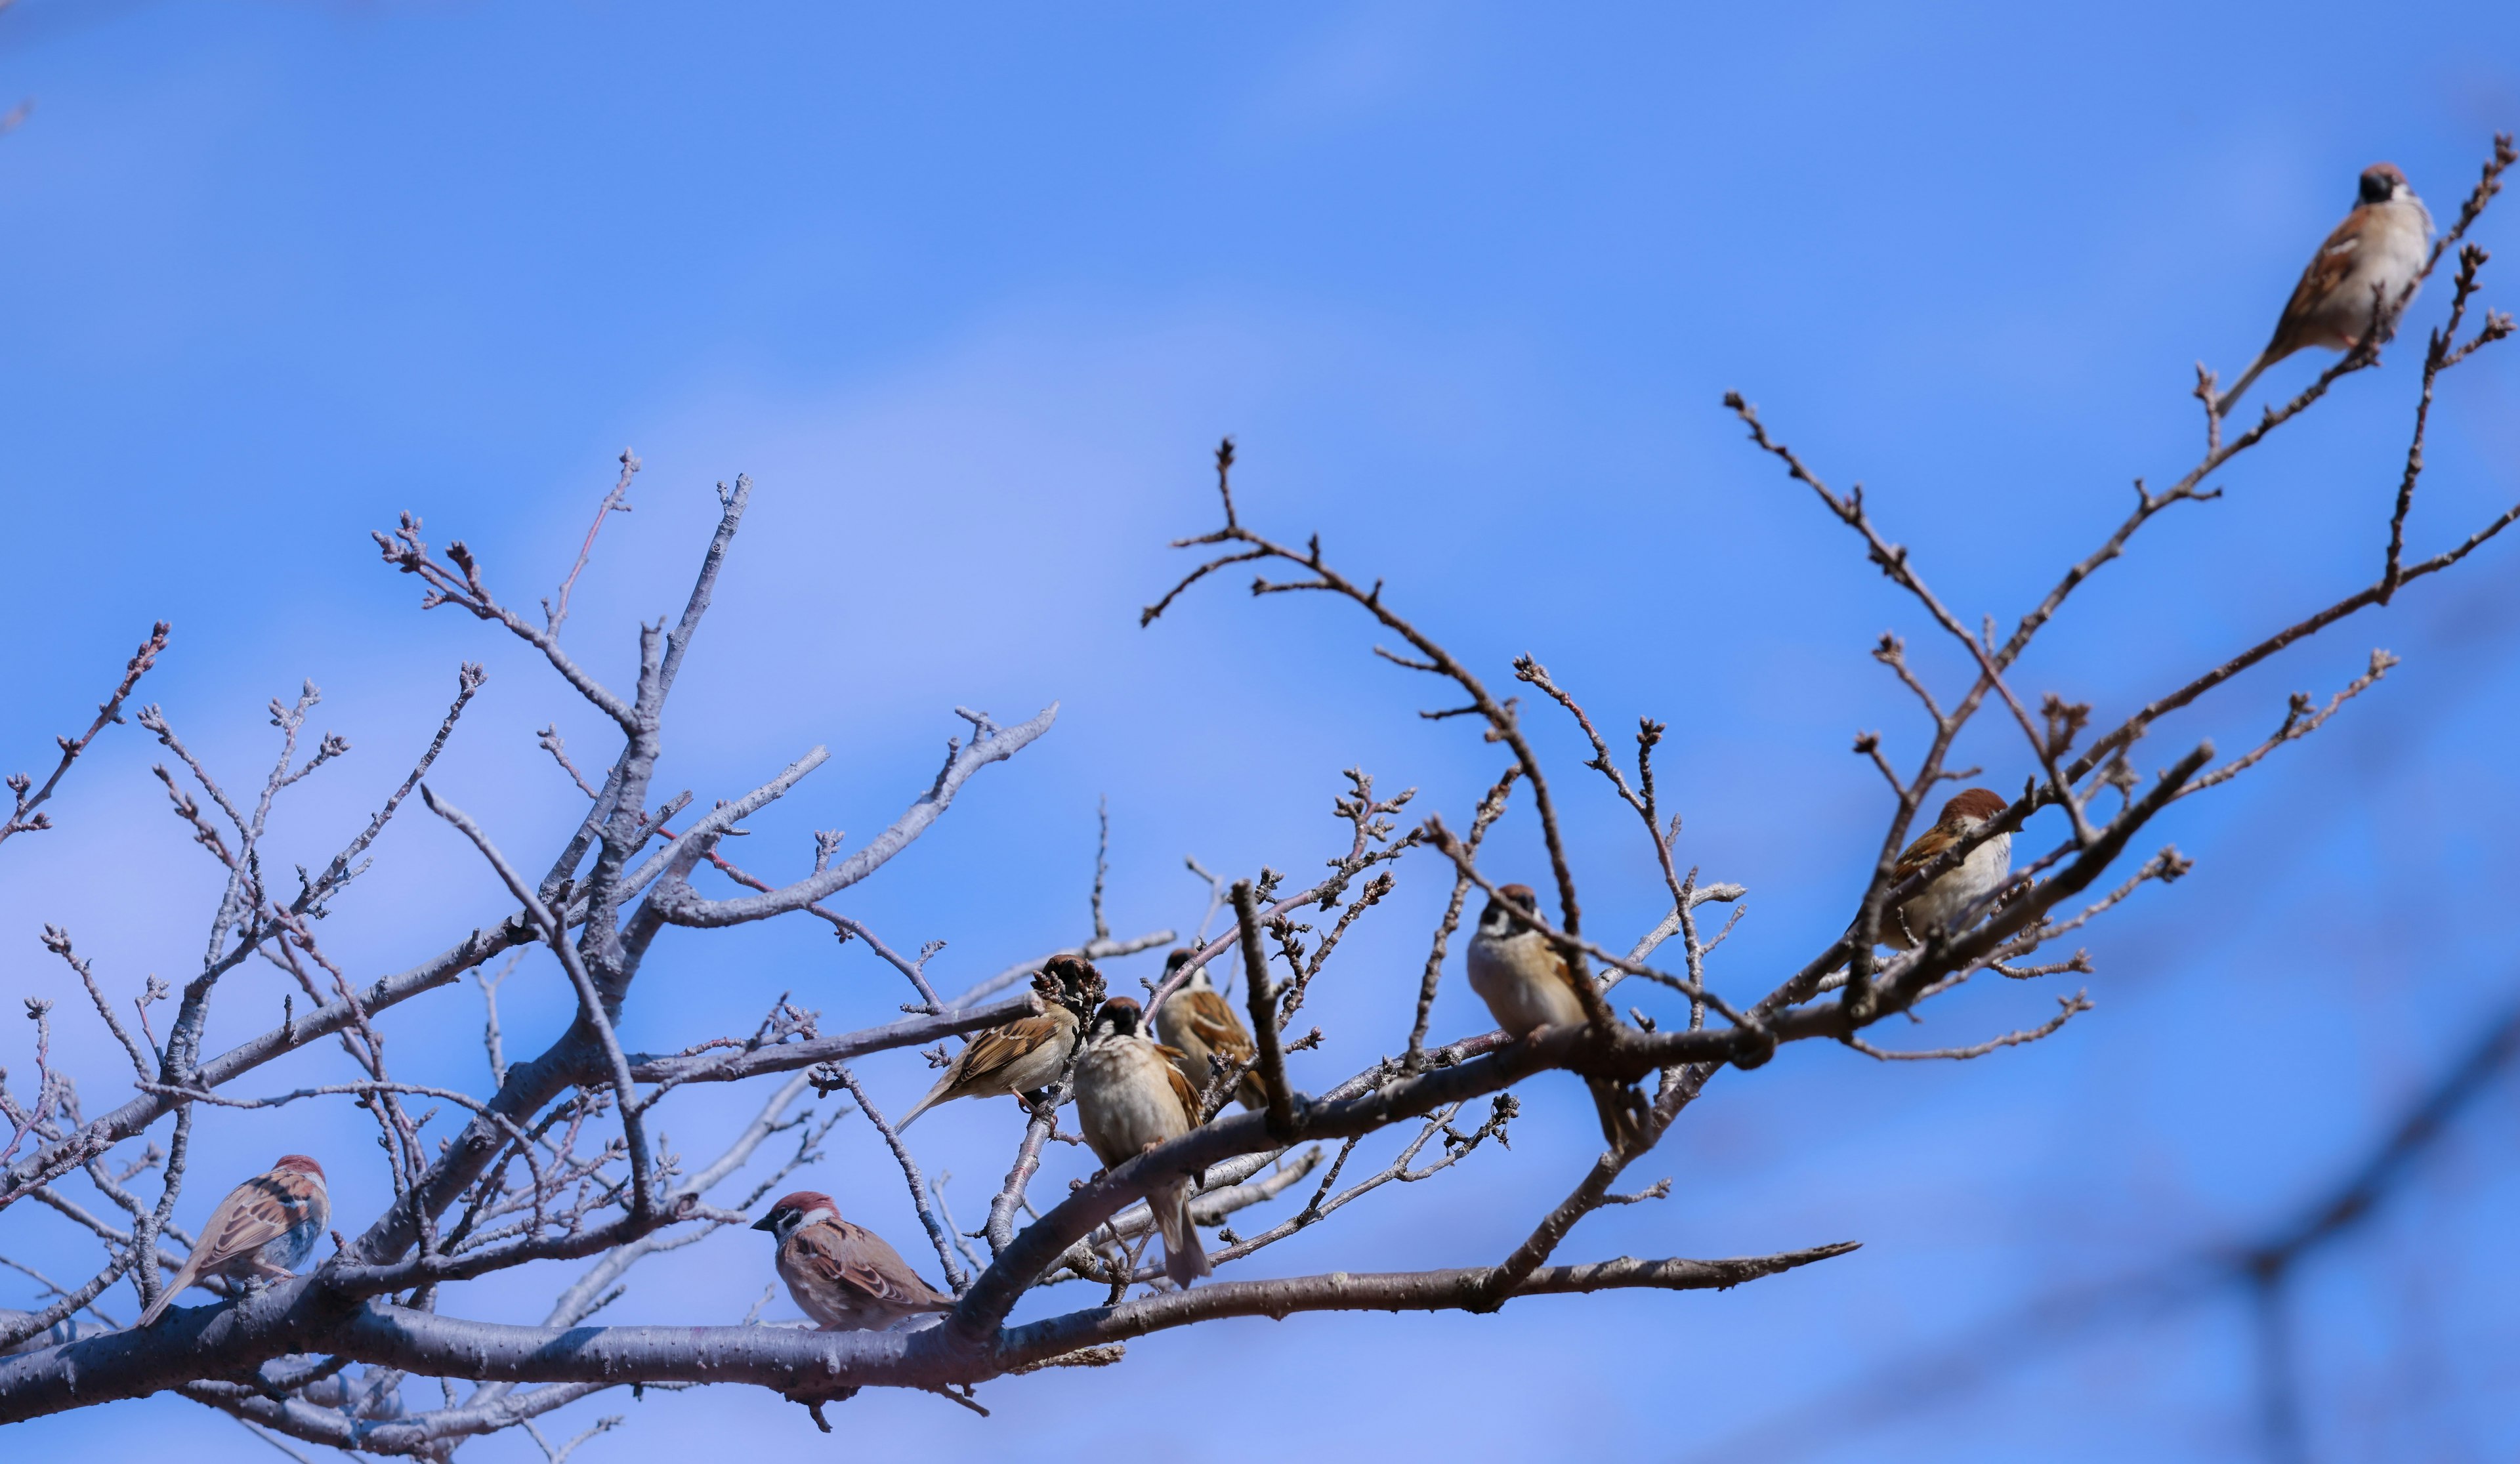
x=2223 y=407
x=1185 y=1259
x=1622 y=1110
x=182 y=1278
x=935 y=1095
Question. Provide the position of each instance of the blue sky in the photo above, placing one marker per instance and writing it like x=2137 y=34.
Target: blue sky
x=971 y=297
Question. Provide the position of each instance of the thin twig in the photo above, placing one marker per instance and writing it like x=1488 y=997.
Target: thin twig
x=1269 y=1060
x=27 y=815
x=2077 y=1003
x=938 y=1231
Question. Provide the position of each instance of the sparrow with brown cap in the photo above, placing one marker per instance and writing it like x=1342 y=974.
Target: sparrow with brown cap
x=844 y=1277
x=1955 y=892
x=1131 y=1096
x=262 y=1231
x=1028 y=1054
x=1527 y=985
x=2371 y=266
x=1198 y=1023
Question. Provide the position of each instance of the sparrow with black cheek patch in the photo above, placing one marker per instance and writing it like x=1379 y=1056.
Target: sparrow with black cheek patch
x=1026 y=1055
x=844 y=1277
x=1197 y=1021
x=2380 y=246
x=263 y=1229
x=1131 y=1096
x=1527 y=985
x=1950 y=895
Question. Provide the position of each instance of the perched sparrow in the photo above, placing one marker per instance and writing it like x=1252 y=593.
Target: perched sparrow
x=1978 y=875
x=1028 y=1052
x=2380 y=245
x=1197 y=1022
x=844 y=1275
x=1131 y=1096
x=1527 y=985
x=265 y=1226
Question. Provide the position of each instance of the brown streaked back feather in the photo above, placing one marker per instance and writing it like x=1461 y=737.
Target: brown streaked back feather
x=1565 y=973
x=2318 y=280
x=1183 y=1092
x=993 y=1052
x=1206 y=1025
x=1920 y=851
x=855 y=1256
x=1207 y=1014
x=253 y=1215
x=977 y=1070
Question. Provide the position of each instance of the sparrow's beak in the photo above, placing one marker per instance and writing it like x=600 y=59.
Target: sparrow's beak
x=768 y=1221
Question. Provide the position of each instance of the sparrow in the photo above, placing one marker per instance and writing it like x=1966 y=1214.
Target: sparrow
x=844 y=1277
x=1131 y=1096
x=1026 y=1054
x=1527 y=985
x=265 y=1226
x=2380 y=245
x=1198 y=1022
x=1977 y=876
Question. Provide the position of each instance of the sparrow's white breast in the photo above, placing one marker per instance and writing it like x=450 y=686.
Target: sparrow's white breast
x=1520 y=979
x=1978 y=874
x=2395 y=240
x=1124 y=1098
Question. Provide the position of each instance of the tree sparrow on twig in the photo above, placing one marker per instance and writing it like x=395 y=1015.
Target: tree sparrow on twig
x=1131 y=1096
x=1026 y=1055
x=2371 y=264
x=1195 y=1020
x=1527 y=985
x=1977 y=876
x=844 y=1277
x=261 y=1231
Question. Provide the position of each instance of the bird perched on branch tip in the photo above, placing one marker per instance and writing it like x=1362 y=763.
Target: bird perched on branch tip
x=2367 y=270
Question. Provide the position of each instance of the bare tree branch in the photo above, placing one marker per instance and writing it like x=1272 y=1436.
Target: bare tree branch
x=27 y=815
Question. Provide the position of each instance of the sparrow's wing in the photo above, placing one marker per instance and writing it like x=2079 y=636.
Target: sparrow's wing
x=1213 y=1022
x=1920 y=853
x=855 y=1256
x=2326 y=271
x=1182 y=1093
x=254 y=1214
x=1564 y=973
x=994 y=1051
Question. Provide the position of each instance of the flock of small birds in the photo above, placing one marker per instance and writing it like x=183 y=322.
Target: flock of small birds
x=1134 y=1090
